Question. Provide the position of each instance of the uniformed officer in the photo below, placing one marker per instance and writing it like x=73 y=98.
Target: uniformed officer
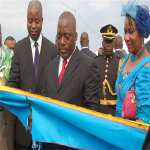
x=108 y=65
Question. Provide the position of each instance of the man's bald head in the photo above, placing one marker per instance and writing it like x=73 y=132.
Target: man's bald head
x=118 y=42
x=66 y=34
x=35 y=4
x=70 y=17
x=84 y=39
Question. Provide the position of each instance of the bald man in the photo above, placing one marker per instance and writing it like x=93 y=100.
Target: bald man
x=118 y=46
x=31 y=55
x=10 y=42
x=72 y=77
x=84 y=41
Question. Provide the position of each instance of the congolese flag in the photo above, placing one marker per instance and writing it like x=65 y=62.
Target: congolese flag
x=58 y=122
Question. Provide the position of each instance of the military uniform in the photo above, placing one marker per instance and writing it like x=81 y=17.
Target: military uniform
x=108 y=68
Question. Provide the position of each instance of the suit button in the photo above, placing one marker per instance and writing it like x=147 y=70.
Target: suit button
x=57 y=95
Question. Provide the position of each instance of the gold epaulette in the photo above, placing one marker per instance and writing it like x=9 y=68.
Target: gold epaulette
x=98 y=56
x=108 y=102
x=104 y=87
x=119 y=65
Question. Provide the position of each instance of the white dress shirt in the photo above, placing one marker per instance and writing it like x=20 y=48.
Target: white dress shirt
x=117 y=49
x=39 y=41
x=84 y=47
x=61 y=63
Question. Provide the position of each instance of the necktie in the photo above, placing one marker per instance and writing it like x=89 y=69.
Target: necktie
x=36 y=59
x=63 y=70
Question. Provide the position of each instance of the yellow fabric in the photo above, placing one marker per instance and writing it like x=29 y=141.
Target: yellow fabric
x=94 y=113
x=119 y=66
x=108 y=102
x=105 y=82
x=3 y=80
x=109 y=35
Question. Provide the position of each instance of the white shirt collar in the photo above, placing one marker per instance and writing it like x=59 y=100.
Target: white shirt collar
x=61 y=62
x=61 y=59
x=39 y=41
x=118 y=50
x=84 y=47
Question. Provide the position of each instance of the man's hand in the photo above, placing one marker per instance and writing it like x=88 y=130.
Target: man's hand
x=30 y=120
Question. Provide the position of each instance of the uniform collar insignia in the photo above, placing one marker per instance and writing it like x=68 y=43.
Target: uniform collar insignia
x=110 y=56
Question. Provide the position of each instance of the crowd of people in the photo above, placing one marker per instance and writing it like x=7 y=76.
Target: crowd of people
x=63 y=72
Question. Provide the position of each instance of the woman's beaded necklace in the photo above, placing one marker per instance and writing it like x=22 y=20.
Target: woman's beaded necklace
x=136 y=57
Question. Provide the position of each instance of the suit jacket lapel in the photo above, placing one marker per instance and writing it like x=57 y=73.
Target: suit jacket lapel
x=42 y=57
x=73 y=63
x=29 y=57
x=55 y=71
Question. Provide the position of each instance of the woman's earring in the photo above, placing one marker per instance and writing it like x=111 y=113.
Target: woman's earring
x=142 y=42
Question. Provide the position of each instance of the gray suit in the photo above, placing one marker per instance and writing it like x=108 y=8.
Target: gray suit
x=89 y=53
x=147 y=46
x=22 y=76
x=119 y=53
x=80 y=82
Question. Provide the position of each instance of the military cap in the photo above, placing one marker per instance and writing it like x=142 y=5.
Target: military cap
x=109 y=32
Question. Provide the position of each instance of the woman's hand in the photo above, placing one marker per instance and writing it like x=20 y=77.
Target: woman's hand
x=140 y=121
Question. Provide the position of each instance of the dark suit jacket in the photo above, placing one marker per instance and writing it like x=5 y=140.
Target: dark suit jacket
x=146 y=144
x=87 y=52
x=80 y=82
x=147 y=46
x=119 y=53
x=22 y=75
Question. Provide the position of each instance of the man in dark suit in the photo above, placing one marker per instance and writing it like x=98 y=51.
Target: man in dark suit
x=118 y=46
x=108 y=66
x=75 y=78
x=31 y=56
x=147 y=46
x=84 y=41
x=10 y=42
x=100 y=51
x=146 y=144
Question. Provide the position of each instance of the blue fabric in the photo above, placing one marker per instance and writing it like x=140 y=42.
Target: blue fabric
x=130 y=8
x=143 y=20
x=140 y=14
x=17 y=105
x=143 y=113
x=142 y=85
x=55 y=123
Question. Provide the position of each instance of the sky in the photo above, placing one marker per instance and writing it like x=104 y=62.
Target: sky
x=92 y=16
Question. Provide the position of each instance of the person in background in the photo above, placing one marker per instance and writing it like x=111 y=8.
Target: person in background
x=147 y=46
x=31 y=55
x=108 y=66
x=124 y=52
x=7 y=119
x=84 y=41
x=56 y=45
x=118 y=46
x=10 y=42
x=100 y=51
x=135 y=70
